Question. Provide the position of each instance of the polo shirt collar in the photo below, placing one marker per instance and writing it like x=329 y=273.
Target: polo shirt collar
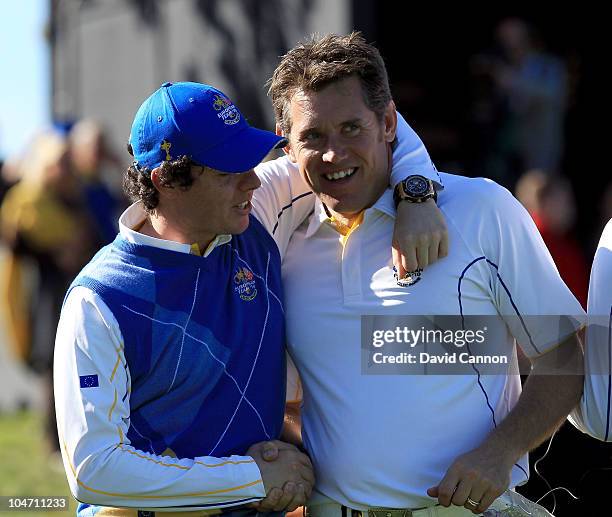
x=384 y=204
x=135 y=215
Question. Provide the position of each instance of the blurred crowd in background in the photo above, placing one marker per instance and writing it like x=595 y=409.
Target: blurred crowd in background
x=60 y=202
x=61 y=197
x=520 y=97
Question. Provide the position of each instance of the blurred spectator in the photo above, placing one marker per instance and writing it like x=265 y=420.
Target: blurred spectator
x=9 y=174
x=91 y=159
x=551 y=203
x=44 y=225
x=3 y=184
x=519 y=104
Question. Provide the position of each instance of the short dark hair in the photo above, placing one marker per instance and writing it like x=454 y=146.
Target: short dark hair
x=138 y=186
x=314 y=64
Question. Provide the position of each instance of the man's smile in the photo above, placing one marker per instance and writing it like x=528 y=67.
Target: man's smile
x=338 y=175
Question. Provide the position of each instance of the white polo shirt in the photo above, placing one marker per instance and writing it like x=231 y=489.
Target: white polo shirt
x=594 y=414
x=382 y=440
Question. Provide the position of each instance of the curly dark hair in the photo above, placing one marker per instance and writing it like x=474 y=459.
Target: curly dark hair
x=314 y=64
x=138 y=186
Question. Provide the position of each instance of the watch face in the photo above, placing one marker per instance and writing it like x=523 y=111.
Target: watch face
x=416 y=186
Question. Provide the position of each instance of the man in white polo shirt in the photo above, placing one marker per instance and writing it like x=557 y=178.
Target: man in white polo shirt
x=412 y=444
x=594 y=414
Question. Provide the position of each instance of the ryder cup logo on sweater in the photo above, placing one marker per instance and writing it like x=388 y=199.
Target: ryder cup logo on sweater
x=245 y=284
x=227 y=111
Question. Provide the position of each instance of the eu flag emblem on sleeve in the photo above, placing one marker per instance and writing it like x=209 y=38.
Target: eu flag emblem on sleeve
x=88 y=381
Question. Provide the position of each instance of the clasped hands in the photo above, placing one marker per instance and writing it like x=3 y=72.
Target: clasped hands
x=287 y=475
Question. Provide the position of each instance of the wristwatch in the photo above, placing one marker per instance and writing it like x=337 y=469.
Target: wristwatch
x=414 y=189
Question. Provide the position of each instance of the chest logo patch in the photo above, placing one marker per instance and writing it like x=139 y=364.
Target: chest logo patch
x=244 y=284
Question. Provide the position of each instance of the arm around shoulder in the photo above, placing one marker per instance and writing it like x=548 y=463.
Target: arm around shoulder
x=283 y=201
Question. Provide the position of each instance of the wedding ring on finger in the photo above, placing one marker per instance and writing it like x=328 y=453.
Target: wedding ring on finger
x=472 y=503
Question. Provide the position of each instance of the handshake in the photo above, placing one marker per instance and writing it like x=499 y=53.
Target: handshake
x=287 y=475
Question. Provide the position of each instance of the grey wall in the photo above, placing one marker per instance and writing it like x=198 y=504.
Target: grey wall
x=108 y=55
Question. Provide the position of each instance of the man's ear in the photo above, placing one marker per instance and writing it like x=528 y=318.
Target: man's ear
x=390 y=122
x=156 y=180
x=287 y=149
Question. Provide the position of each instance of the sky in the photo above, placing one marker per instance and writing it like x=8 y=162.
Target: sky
x=25 y=76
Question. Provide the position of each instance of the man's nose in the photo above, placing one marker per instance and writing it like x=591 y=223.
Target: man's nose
x=249 y=180
x=334 y=152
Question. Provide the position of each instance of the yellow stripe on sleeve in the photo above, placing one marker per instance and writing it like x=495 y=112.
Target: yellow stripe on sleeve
x=178 y=496
x=119 y=358
x=112 y=407
x=115 y=368
x=228 y=462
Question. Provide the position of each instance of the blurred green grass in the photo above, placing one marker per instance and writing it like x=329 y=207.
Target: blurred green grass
x=26 y=469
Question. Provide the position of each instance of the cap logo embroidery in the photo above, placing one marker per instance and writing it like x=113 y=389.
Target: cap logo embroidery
x=227 y=111
x=245 y=284
x=166 y=147
x=221 y=102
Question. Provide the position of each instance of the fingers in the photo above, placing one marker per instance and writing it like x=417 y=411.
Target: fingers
x=409 y=259
x=422 y=254
x=476 y=495
x=486 y=501
x=289 y=491
x=269 y=451
x=294 y=496
x=307 y=490
x=307 y=470
x=291 y=496
x=412 y=253
x=443 y=247
x=299 y=499
x=470 y=496
x=420 y=235
x=270 y=502
x=461 y=494
x=468 y=491
x=398 y=264
x=446 y=488
x=283 y=446
x=283 y=465
x=485 y=493
x=433 y=253
x=406 y=261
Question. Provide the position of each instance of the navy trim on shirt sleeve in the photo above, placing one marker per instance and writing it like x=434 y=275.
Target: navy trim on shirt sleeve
x=286 y=207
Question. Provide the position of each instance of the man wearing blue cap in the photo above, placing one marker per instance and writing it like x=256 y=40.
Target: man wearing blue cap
x=169 y=362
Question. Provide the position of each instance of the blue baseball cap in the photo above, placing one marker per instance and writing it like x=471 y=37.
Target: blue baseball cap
x=198 y=121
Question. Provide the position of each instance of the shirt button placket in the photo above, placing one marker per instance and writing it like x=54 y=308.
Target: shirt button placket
x=351 y=268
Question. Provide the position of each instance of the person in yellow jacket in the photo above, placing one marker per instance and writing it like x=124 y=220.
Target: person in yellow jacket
x=48 y=237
